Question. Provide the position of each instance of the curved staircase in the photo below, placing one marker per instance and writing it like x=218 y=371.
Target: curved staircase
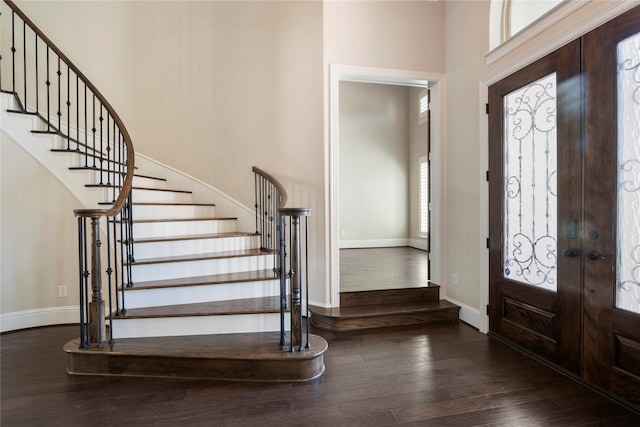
x=195 y=296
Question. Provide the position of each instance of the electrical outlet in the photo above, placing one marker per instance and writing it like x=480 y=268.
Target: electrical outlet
x=62 y=291
x=343 y=233
x=455 y=279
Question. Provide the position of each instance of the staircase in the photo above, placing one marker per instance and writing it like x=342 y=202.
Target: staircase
x=195 y=296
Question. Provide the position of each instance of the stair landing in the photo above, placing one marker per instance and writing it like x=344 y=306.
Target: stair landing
x=385 y=308
x=237 y=357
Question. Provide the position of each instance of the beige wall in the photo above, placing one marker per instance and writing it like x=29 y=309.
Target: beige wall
x=374 y=164
x=38 y=236
x=402 y=35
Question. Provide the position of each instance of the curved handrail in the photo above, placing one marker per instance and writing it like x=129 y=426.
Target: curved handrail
x=120 y=201
x=283 y=194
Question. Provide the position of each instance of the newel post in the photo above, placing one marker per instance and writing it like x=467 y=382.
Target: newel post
x=92 y=311
x=296 y=277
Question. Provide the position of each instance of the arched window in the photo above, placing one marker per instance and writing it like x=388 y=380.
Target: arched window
x=509 y=17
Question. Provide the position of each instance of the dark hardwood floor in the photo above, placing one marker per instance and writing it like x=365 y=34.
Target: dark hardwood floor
x=430 y=375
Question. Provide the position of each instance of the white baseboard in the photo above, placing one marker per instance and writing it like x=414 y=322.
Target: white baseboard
x=419 y=244
x=39 y=317
x=380 y=243
x=468 y=314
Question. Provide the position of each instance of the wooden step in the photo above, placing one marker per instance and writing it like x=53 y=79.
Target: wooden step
x=201 y=257
x=245 y=276
x=168 y=190
x=240 y=357
x=260 y=314
x=429 y=293
x=195 y=237
x=382 y=315
x=97 y=169
x=213 y=308
x=202 y=289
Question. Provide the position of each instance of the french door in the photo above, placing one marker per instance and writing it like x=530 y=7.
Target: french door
x=565 y=207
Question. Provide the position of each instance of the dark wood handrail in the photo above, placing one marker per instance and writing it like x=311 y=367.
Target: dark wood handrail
x=128 y=180
x=283 y=194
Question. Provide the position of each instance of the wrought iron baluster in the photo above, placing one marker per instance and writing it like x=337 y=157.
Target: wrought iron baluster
x=37 y=78
x=93 y=130
x=109 y=272
x=68 y=108
x=86 y=130
x=84 y=277
x=59 y=95
x=13 y=49
x=48 y=94
x=101 y=119
x=282 y=272
x=77 y=112
x=24 y=59
x=306 y=270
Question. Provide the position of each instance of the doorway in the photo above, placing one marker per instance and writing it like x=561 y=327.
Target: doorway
x=343 y=73
x=564 y=201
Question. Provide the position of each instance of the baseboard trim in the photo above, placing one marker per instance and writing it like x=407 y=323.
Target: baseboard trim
x=378 y=243
x=468 y=314
x=39 y=317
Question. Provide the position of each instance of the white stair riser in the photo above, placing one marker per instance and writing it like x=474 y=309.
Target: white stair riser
x=141 y=212
x=137 y=298
x=197 y=325
x=152 y=196
x=195 y=246
x=143 y=230
x=140 y=181
x=174 y=270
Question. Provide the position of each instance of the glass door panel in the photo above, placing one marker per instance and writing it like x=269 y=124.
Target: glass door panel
x=628 y=250
x=530 y=170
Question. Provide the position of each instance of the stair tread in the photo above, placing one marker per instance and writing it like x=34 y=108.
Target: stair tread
x=375 y=310
x=213 y=218
x=248 y=345
x=195 y=237
x=245 y=276
x=171 y=204
x=168 y=190
x=259 y=305
x=200 y=257
x=97 y=155
x=97 y=169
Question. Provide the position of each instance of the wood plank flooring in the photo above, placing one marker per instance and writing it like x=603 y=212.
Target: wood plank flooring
x=427 y=375
x=382 y=268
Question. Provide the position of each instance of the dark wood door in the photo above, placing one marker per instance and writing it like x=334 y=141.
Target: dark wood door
x=611 y=66
x=535 y=205
x=571 y=293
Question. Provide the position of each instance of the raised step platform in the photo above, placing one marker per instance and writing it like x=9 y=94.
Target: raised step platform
x=240 y=357
x=385 y=308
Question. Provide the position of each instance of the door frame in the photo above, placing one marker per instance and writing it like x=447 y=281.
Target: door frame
x=361 y=74
x=524 y=57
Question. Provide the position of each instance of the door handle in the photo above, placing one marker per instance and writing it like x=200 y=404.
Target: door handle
x=570 y=253
x=594 y=255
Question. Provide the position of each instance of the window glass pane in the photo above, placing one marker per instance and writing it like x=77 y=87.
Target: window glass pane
x=530 y=165
x=424 y=197
x=628 y=251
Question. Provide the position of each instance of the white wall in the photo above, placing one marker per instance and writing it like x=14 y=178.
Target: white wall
x=374 y=165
